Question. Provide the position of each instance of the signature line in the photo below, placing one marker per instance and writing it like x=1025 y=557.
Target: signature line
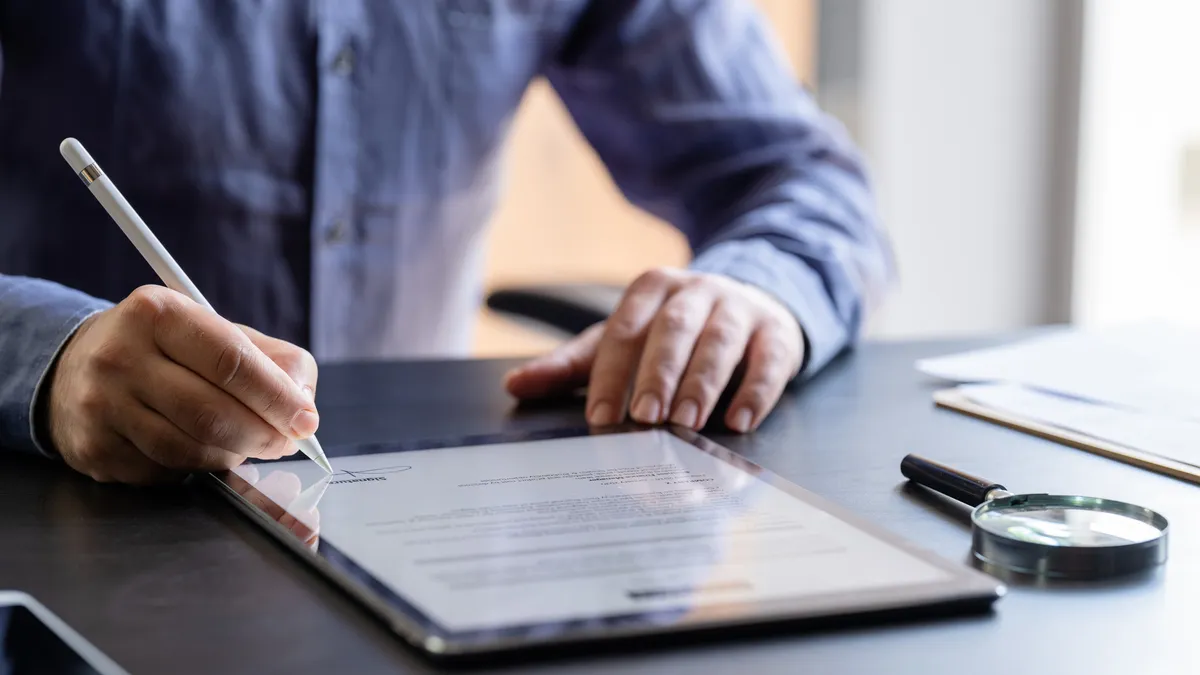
x=372 y=472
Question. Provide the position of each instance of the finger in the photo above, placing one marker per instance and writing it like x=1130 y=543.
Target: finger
x=668 y=349
x=206 y=413
x=620 y=348
x=216 y=350
x=168 y=446
x=769 y=365
x=118 y=460
x=719 y=349
x=298 y=363
x=561 y=370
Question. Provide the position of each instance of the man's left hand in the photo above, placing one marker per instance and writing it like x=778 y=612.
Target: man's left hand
x=670 y=349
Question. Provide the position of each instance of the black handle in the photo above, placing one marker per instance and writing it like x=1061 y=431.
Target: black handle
x=957 y=485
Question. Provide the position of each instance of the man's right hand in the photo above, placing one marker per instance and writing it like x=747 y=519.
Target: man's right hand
x=159 y=385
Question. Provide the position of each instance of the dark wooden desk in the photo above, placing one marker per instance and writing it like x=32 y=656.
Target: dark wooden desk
x=166 y=581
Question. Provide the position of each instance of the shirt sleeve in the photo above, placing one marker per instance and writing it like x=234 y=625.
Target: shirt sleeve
x=693 y=109
x=36 y=319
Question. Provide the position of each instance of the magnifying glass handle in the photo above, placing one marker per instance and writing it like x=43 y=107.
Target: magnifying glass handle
x=955 y=484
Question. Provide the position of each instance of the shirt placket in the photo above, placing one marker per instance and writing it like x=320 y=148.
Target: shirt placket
x=336 y=181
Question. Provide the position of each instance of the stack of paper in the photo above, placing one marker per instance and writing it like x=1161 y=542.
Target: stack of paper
x=1135 y=386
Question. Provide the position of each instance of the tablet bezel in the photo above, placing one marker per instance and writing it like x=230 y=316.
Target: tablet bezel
x=965 y=589
x=72 y=640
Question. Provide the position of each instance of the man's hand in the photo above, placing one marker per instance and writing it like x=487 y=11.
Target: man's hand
x=159 y=385
x=675 y=341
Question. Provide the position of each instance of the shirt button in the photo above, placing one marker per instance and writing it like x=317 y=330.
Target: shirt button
x=343 y=63
x=336 y=232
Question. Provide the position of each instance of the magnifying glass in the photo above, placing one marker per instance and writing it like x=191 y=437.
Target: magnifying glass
x=1051 y=536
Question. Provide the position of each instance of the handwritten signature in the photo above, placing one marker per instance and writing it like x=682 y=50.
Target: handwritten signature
x=380 y=471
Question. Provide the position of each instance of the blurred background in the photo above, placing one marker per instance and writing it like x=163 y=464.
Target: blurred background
x=1035 y=161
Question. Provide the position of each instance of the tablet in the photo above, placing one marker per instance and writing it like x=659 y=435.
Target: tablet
x=501 y=543
x=35 y=640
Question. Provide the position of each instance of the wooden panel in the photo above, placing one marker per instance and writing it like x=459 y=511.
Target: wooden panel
x=563 y=219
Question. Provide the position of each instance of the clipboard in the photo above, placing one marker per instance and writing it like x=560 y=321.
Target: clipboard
x=953 y=399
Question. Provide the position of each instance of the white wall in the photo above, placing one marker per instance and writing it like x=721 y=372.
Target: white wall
x=1138 y=238
x=957 y=114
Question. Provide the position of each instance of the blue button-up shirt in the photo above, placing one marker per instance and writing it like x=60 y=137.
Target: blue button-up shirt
x=323 y=169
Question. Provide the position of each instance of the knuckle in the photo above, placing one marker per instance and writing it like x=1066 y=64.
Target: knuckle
x=665 y=367
x=777 y=346
x=704 y=368
x=675 y=318
x=211 y=427
x=656 y=379
x=232 y=360
x=271 y=445
x=623 y=328
x=278 y=445
x=702 y=385
x=782 y=330
x=148 y=302
x=721 y=333
x=776 y=352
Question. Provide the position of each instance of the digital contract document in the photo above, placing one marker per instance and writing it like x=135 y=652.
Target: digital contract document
x=489 y=536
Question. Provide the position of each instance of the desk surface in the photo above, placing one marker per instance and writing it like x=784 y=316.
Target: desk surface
x=170 y=581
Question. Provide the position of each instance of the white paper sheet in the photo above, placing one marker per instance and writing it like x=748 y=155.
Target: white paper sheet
x=1150 y=367
x=1169 y=437
x=520 y=533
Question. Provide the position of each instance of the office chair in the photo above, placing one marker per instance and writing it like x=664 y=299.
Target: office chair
x=566 y=309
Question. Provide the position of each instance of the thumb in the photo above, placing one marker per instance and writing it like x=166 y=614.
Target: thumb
x=562 y=370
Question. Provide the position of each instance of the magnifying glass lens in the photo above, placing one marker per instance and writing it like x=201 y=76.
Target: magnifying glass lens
x=1067 y=526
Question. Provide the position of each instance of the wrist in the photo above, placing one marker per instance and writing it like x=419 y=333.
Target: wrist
x=44 y=417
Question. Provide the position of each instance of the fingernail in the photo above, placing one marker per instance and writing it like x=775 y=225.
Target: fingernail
x=741 y=420
x=647 y=409
x=687 y=414
x=308 y=391
x=304 y=424
x=602 y=414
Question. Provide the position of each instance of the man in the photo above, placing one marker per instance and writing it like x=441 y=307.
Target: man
x=323 y=170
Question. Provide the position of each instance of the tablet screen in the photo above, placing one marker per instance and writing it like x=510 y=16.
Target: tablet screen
x=554 y=532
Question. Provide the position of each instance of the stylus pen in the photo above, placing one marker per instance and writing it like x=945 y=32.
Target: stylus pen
x=152 y=250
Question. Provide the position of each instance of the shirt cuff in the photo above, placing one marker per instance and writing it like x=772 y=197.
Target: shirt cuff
x=789 y=280
x=37 y=318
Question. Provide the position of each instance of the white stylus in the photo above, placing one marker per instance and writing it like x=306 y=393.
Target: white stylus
x=152 y=250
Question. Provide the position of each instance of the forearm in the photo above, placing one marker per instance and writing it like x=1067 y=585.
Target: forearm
x=696 y=115
x=36 y=318
x=807 y=235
